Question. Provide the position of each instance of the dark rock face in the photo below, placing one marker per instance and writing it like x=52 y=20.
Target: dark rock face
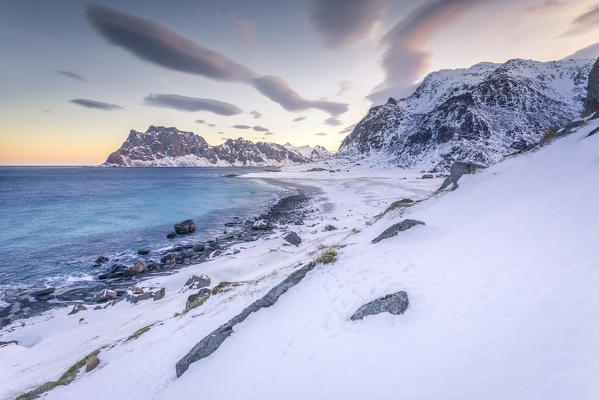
x=592 y=99
x=395 y=229
x=293 y=238
x=478 y=115
x=184 y=227
x=168 y=146
x=395 y=303
x=456 y=171
x=212 y=342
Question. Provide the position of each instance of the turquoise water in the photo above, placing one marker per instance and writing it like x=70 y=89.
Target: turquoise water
x=54 y=221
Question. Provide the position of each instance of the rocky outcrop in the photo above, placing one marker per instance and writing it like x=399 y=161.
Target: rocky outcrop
x=170 y=147
x=105 y=295
x=395 y=229
x=456 y=171
x=185 y=227
x=395 y=303
x=592 y=99
x=213 y=340
x=480 y=115
x=293 y=238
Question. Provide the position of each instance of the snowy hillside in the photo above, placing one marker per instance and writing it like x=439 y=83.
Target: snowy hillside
x=479 y=114
x=316 y=153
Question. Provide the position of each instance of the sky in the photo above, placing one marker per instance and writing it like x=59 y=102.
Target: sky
x=77 y=76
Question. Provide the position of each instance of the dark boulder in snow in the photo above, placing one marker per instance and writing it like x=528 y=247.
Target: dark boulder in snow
x=395 y=229
x=329 y=228
x=171 y=235
x=457 y=170
x=197 y=282
x=77 y=308
x=395 y=303
x=92 y=362
x=184 y=227
x=293 y=238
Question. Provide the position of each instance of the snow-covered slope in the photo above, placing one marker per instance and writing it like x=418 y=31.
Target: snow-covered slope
x=479 y=114
x=161 y=146
x=316 y=153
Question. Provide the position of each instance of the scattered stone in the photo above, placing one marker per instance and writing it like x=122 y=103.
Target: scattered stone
x=298 y=222
x=97 y=307
x=262 y=224
x=196 y=300
x=171 y=235
x=105 y=295
x=168 y=259
x=329 y=228
x=77 y=308
x=395 y=229
x=197 y=282
x=101 y=260
x=92 y=362
x=160 y=294
x=118 y=268
x=213 y=340
x=138 y=268
x=198 y=247
x=111 y=275
x=185 y=227
x=427 y=176
x=42 y=292
x=293 y=238
x=456 y=171
x=143 y=252
x=395 y=303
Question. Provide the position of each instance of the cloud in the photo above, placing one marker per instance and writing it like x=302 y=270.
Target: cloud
x=405 y=60
x=332 y=121
x=200 y=121
x=72 y=75
x=157 y=44
x=278 y=91
x=545 y=5
x=347 y=129
x=269 y=133
x=184 y=103
x=258 y=128
x=298 y=119
x=255 y=114
x=591 y=51
x=339 y=23
x=247 y=31
x=96 y=104
x=321 y=134
x=584 y=22
x=241 y=127
x=344 y=86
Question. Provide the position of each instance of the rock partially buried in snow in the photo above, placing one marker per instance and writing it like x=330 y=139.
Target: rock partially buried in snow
x=329 y=228
x=262 y=224
x=92 y=362
x=395 y=229
x=293 y=238
x=104 y=295
x=137 y=294
x=395 y=303
x=184 y=227
x=196 y=300
x=197 y=282
x=457 y=170
x=77 y=308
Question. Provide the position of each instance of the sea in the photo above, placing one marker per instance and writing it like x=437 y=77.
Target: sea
x=55 y=221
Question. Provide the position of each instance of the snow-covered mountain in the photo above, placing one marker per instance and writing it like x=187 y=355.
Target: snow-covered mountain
x=316 y=153
x=161 y=146
x=479 y=114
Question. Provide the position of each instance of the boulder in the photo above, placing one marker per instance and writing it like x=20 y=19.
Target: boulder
x=185 y=227
x=262 y=224
x=427 y=176
x=196 y=300
x=91 y=363
x=143 y=252
x=293 y=238
x=77 y=308
x=160 y=294
x=329 y=228
x=197 y=282
x=171 y=235
x=101 y=260
x=42 y=292
x=137 y=294
x=198 y=247
x=138 y=268
x=395 y=303
x=456 y=171
x=105 y=295
x=396 y=228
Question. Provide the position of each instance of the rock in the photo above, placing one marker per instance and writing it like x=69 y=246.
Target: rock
x=293 y=238
x=104 y=295
x=42 y=292
x=97 y=307
x=160 y=294
x=262 y=224
x=197 y=282
x=457 y=170
x=196 y=300
x=329 y=228
x=395 y=229
x=111 y=275
x=91 y=363
x=210 y=343
x=392 y=101
x=143 y=252
x=101 y=260
x=138 y=268
x=395 y=303
x=298 y=222
x=592 y=100
x=118 y=268
x=171 y=235
x=168 y=259
x=427 y=176
x=185 y=227
x=77 y=308
x=198 y=247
